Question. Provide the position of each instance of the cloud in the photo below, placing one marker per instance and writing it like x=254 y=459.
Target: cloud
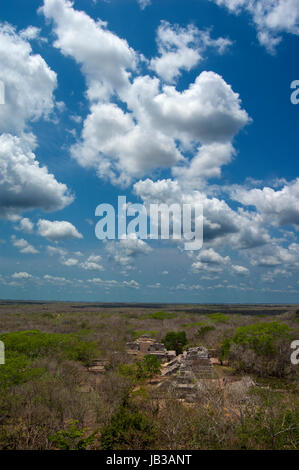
x=153 y=125
x=221 y=224
x=181 y=49
x=206 y=164
x=209 y=260
x=275 y=255
x=241 y=270
x=124 y=252
x=183 y=286
x=31 y=33
x=53 y=250
x=29 y=86
x=210 y=256
x=157 y=285
x=57 y=230
x=119 y=149
x=90 y=43
x=144 y=3
x=207 y=111
x=132 y=284
x=23 y=246
x=70 y=262
x=93 y=263
x=24 y=184
x=279 y=207
x=25 y=225
x=21 y=275
x=122 y=146
x=56 y=279
x=29 y=82
x=271 y=18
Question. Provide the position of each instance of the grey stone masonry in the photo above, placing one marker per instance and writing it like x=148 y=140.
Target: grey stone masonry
x=192 y=365
x=146 y=345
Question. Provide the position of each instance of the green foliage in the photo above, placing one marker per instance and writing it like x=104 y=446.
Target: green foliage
x=218 y=317
x=129 y=371
x=139 y=333
x=128 y=429
x=151 y=365
x=147 y=368
x=175 y=340
x=224 y=349
x=72 y=438
x=191 y=325
x=261 y=337
x=203 y=330
x=162 y=315
x=17 y=369
x=34 y=343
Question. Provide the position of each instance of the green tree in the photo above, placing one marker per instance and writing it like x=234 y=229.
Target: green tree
x=261 y=337
x=175 y=340
x=35 y=343
x=151 y=365
x=73 y=438
x=128 y=429
x=147 y=368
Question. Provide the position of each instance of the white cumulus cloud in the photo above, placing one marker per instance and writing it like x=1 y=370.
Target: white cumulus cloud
x=57 y=230
x=272 y=18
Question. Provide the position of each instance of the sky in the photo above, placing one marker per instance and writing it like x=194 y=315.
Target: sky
x=162 y=101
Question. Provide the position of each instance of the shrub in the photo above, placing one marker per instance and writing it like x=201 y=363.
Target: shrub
x=139 y=333
x=72 y=438
x=17 y=370
x=151 y=365
x=175 y=340
x=163 y=315
x=147 y=368
x=128 y=429
x=203 y=330
x=218 y=317
x=224 y=349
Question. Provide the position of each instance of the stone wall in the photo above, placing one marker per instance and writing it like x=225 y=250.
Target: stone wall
x=146 y=345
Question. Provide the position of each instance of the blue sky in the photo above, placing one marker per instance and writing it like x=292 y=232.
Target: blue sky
x=161 y=101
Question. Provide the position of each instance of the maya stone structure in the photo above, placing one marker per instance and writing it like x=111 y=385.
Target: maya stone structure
x=193 y=361
x=184 y=373
x=98 y=366
x=146 y=345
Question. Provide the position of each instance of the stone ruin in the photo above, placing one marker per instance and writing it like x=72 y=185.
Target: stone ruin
x=194 y=361
x=184 y=373
x=98 y=366
x=146 y=345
